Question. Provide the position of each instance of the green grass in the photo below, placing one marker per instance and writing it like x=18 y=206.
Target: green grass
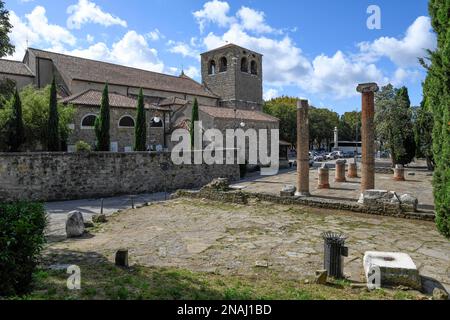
x=106 y=281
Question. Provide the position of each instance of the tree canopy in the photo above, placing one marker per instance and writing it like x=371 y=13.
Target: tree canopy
x=6 y=47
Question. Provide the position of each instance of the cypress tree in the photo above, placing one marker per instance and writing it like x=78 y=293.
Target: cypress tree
x=195 y=118
x=15 y=131
x=102 y=124
x=53 y=138
x=140 y=130
x=437 y=95
x=409 y=145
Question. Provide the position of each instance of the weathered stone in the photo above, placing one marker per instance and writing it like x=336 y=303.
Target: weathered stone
x=75 y=224
x=288 y=191
x=352 y=170
x=375 y=196
x=321 y=277
x=221 y=184
x=340 y=170
x=324 y=177
x=368 y=135
x=396 y=269
x=439 y=294
x=409 y=201
x=302 y=149
x=411 y=173
x=122 y=258
x=399 y=173
x=261 y=264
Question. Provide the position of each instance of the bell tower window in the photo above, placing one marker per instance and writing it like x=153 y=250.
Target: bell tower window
x=254 y=68
x=212 y=67
x=223 y=64
x=244 y=65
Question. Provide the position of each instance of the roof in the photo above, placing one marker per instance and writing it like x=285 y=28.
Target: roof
x=75 y=68
x=173 y=101
x=231 y=45
x=94 y=98
x=228 y=113
x=15 y=68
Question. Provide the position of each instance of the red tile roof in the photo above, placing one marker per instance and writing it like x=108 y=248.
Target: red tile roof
x=228 y=113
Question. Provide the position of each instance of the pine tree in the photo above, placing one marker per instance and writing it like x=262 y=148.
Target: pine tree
x=53 y=138
x=15 y=132
x=140 y=130
x=437 y=95
x=102 y=124
x=195 y=118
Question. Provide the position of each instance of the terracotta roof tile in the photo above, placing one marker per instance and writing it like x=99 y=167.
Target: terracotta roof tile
x=228 y=113
x=75 y=68
x=15 y=67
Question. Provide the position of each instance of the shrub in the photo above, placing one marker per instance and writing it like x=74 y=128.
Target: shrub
x=21 y=241
x=82 y=146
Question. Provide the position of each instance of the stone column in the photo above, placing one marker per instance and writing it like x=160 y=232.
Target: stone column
x=352 y=170
x=324 y=177
x=340 y=171
x=368 y=135
x=399 y=173
x=336 y=138
x=302 y=149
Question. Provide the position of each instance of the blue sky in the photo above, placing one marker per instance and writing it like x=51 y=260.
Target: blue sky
x=319 y=50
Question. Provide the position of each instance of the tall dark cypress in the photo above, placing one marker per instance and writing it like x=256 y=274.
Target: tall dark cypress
x=53 y=137
x=102 y=124
x=194 y=119
x=16 y=131
x=437 y=95
x=140 y=130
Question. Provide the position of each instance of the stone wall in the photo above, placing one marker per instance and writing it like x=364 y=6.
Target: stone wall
x=64 y=176
x=241 y=197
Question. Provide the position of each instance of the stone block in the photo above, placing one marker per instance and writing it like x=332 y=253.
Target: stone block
x=122 y=258
x=321 y=277
x=75 y=224
x=409 y=202
x=288 y=191
x=396 y=269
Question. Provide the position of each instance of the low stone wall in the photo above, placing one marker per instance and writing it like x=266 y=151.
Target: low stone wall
x=66 y=176
x=241 y=197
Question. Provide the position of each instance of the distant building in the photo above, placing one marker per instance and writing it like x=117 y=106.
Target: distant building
x=230 y=93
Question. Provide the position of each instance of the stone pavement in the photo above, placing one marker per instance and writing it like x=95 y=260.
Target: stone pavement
x=58 y=211
x=418 y=185
x=218 y=237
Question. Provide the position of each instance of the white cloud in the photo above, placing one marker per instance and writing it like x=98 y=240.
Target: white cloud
x=86 y=11
x=37 y=31
x=192 y=72
x=214 y=12
x=403 y=52
x=132 y=50
x=270 y=94
x=253 y=20
x=155 y=35
x=90 y=38
x=184 y=49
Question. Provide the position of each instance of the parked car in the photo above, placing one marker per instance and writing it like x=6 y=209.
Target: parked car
x=349 y=154
x=331 y=156
x=319 y=158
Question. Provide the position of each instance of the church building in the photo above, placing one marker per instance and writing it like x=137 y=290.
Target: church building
x=230 y=95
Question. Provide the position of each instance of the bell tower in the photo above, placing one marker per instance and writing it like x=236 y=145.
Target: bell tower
x=235 y=74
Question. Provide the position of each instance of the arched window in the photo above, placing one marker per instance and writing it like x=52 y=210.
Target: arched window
x=223 y=64
x=156 y=122
x=88 y=121
x=244 y=65
x=126 y=122
x=254 y=67
x=212 y=67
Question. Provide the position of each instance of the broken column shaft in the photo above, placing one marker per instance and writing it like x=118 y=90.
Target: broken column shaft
x=302 y=149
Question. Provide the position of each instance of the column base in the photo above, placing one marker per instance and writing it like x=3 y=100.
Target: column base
x=361 y=199
x=340 y=180
x=323 y=186
x=302 y=194
x=399 y=179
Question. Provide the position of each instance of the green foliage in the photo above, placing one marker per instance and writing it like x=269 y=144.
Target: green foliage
x=7 y=90
x=21 y=241
x=14 y=126
x=350 y=126
x=195 y=118
x=285 y=109
x=53 y=141
x=140 y=133
x=321 y=126
x=437 y=96
x=393 y=120
x=102 y=124
x=82 y=146
x=423 y=133
x=6 y=47
x=35 y=109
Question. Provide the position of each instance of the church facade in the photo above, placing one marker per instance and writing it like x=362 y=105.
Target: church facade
x=230 y=95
